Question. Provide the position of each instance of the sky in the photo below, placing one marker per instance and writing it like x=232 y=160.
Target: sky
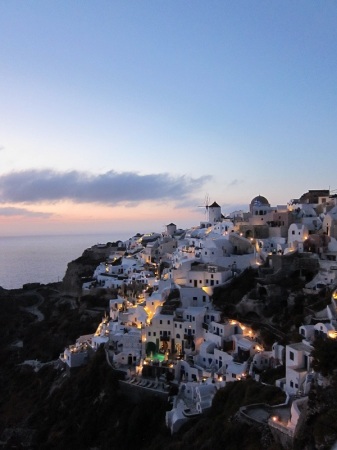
x=127 y=114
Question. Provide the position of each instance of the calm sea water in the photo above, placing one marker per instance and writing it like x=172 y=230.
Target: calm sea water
x=43 y=259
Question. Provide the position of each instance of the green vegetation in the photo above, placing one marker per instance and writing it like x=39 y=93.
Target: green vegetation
x=325 y=356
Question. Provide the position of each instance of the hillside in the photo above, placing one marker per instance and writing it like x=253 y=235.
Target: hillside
x=43 y=408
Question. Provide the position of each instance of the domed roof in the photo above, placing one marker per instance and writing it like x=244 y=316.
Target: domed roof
x=259 y=201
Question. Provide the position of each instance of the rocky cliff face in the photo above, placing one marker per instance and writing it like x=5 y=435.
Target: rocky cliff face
x=82 y=267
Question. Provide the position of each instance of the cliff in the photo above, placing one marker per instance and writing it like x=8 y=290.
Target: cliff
x=83 y=267
x=41 y=407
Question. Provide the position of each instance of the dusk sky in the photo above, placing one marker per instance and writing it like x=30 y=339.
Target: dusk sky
x=123 y=115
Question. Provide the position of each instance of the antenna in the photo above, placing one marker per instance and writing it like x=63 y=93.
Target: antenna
x=206 y=206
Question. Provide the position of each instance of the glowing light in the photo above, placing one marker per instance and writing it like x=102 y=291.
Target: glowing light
x=332 y=334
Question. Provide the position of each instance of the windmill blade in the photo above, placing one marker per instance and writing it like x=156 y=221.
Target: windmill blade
x=206 y=204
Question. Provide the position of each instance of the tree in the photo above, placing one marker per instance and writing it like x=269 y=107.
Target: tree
x=324 y=355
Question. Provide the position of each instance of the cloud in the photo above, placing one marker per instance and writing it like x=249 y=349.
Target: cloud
x=11 y=211
x=37 y=186
x=235 y=182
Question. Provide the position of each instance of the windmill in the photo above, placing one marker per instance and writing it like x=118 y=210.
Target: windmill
x=206 y=206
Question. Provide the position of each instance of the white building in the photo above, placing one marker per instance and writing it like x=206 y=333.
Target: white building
x=298 y=366
x=297 y=234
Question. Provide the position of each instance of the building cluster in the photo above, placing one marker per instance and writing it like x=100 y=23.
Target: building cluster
x=162 y=329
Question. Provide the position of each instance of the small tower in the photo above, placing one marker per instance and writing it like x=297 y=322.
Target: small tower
x=214 y=213
x=171 y=228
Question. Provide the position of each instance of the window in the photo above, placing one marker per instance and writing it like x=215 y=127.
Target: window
x=161 y=333
x=291 y=356
x=204 y=298
x=160 y=321
x=149 y=333
x=195 y=298
x=293 y=232
x=154 y=333
x=291 y=384
x=168 y=322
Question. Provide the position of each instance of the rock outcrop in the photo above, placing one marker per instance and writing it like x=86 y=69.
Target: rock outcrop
x=83 y=267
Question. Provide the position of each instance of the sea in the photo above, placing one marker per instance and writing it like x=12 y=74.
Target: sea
x=44 y=259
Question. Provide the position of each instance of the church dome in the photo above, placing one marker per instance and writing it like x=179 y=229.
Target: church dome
x=259 y=201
